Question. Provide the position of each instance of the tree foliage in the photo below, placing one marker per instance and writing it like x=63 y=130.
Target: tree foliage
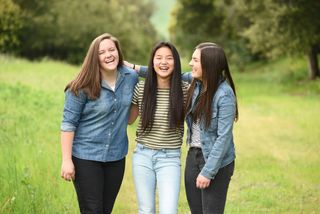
x=10 y=24
x=195 y=21
x=283 y=27
x=248 y=28
x=63 y=29
x=279 y=27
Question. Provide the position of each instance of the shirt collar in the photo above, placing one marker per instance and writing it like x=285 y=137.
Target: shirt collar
x=122 y=71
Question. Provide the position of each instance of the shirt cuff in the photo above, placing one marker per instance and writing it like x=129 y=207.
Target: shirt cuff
x=67 y=127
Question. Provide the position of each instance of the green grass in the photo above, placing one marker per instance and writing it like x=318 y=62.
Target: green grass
x=277 y=141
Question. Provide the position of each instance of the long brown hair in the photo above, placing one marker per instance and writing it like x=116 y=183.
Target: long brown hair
x=89 y=77
x=215 y=68
x=149 y=100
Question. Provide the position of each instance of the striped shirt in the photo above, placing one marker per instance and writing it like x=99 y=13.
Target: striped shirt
x=161 y=136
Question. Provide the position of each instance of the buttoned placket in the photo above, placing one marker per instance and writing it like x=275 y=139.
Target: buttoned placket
x=114 y=117
x=115 y=106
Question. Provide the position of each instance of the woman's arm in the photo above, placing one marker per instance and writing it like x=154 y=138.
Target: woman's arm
x=141 y=70
x=67 y=167
x=187 y=77
x=73 y=108
x=134 y=112
x=225 y=120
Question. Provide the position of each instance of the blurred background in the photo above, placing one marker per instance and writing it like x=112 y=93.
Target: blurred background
x=249 y=30
x=273 y=50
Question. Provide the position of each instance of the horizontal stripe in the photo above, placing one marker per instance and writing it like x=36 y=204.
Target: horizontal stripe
x=161 y=135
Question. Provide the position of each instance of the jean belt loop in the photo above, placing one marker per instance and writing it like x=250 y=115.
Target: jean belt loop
x=140 y=146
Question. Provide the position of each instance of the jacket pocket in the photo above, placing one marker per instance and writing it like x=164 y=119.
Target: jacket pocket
x=214 y=122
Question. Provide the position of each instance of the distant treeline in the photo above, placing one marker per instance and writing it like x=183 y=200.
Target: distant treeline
x=64 y=29
x=248 y=30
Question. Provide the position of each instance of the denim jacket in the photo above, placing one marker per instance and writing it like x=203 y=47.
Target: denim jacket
x=100 y=125
x=216 y=141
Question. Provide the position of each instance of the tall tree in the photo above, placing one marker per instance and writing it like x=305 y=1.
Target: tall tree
x=195 y=21
x=281 y=27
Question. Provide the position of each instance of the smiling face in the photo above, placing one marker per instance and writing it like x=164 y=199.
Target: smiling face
x=163 y=63
x=108 y=55
x=195 y=64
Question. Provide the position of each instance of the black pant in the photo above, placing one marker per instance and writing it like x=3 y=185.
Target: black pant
x=97 y=184
x=213 y=198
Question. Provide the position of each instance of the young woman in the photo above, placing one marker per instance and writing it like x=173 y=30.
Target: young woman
x=211 y=112
x=160 y=103
x=93 y=131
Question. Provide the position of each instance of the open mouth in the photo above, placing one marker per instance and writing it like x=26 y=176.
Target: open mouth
x=109 y=61
x=164 y=68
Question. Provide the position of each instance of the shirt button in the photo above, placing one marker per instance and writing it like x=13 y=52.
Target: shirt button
x=109 y=134
x=112 y=123
x=115 y=99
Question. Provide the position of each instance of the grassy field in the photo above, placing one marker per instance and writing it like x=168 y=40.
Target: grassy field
x=277 y=141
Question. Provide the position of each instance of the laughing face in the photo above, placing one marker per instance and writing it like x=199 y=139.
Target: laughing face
x=163 y=63
x=195 y=64
x=108 y=55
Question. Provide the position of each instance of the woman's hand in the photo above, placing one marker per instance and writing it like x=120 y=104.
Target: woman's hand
x=202 y=182
x=128 y=64
x=67 y=170
x=133 y=66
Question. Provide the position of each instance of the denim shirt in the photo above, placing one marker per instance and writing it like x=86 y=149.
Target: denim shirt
x=217 y=141
x=100 y=125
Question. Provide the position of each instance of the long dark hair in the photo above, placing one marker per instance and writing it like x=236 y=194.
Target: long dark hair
x=215 y=68
x=89 y=77
x=149 y=100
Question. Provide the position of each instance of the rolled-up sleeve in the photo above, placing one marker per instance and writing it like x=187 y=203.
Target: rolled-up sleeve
x=73 y=107
x=135 y=97
x=187 y=77
x=143 y=71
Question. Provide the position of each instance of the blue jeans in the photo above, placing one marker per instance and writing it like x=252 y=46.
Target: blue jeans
x=157 y=168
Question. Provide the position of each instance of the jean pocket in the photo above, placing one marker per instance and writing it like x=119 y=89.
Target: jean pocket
x=173 y=154
x=138 y=148
x=214 y=121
